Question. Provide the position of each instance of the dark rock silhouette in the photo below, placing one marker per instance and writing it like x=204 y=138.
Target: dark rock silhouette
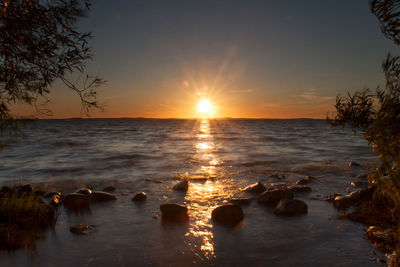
x=300 y=189
x=50 y=194
x=81 y=229
x=55 y=200
x=139 y=196
x=110 y=188
x=181 y=186
x=84 y=191
x=100 y=196
x=256 y=188
x=292 y=207
x=305 y=180
x=355 y=164
x=272 y=197
x=344 y=202
x=76 y=202
x=229 y=215
x=174 y=213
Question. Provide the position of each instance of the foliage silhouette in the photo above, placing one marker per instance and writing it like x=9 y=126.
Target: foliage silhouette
x=39 y=45
x=377 y=113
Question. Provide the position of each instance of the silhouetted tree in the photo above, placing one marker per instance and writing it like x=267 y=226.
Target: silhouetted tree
x=39 y=45
x=387 y=12
x=377 y=113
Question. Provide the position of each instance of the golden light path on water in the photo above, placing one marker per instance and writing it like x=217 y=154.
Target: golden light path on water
x=203 y=197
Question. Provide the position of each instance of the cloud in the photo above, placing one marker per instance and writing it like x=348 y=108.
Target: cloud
x=243 y=91
x=311 y=94
x=308 y=96
x=328 y=98
x=272 y=105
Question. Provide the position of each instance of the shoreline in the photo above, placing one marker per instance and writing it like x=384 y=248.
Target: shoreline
x=193 y=183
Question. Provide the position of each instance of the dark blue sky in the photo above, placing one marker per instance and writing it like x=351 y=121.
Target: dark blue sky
x=251 y=58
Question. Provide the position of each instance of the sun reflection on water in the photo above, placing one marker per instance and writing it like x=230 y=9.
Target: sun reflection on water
x=203 y=197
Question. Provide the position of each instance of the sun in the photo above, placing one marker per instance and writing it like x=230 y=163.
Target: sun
x=204 y=106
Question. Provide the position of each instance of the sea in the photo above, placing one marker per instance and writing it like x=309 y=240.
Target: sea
x=219 y=157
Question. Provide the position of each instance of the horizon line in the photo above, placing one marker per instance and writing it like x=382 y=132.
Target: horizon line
x=172 y=118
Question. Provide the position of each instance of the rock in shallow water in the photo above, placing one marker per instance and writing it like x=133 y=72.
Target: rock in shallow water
x=84 y=191
x=355 y=164
x=293 y=207
x=100 y=196
x=304 y=181
x=81 y=229
x=256 y=188
x=174 y=213
x=50 y=194
x=110 y=188
x=76 y=202
x=343 y=202
x=139 y=197
x=363 y=184
x=55 y=200
x=272 y=197
x=153 y=180
x=300 y=189
x=229 y=215
x=181 y=186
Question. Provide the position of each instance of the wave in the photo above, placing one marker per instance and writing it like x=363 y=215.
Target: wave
x=260 y=163
x=68 y=143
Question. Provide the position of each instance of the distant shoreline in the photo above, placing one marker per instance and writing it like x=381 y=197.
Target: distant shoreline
x=144 y=118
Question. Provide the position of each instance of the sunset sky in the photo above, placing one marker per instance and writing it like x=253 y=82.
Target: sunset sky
x=255 y=59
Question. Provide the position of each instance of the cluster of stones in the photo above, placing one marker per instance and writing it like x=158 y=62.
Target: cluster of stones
x=278 y=197
x=80 y=200
x=281 y=197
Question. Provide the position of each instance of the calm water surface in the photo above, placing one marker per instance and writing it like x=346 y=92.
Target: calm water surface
x=218 y=157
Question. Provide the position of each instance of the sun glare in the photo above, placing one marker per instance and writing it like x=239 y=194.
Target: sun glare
x=204 y=106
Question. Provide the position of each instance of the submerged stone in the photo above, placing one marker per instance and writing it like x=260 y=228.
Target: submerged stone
x=100 y=196
x=229 y=214
x=305 y=180
x=272 y=197
x=331 y=197
x=343 y=202
x=153 y=180
x=55 y=200
x=84 y=191
x=292 y=207
x=81 y=229
x=256 y=188
x=110 y=188
x=300 y=189
x=139 y=197
x=181 y=186
x=50 y=194
x=383 y=239
x=76 y=202
x=359 y=184
x=355 y=164
x=174 y=213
